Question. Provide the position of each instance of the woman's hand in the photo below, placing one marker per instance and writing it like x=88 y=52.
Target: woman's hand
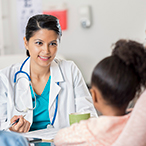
x=22 y=125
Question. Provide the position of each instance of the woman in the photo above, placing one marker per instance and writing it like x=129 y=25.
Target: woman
x=57 y=85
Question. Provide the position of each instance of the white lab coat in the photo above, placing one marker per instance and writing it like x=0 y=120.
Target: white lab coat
x=73 y=93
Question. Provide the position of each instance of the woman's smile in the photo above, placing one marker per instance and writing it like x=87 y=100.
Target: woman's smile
x=43 y=58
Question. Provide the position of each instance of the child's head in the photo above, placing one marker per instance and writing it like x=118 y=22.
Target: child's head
x=120 y=76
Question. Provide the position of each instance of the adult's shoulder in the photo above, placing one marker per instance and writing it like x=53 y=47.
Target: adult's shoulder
x=66 y=64
x=10 y=69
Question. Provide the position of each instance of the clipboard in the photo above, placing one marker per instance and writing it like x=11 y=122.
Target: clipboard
x=44 y=135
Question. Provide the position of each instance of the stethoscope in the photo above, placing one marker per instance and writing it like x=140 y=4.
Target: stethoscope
x=31 y=88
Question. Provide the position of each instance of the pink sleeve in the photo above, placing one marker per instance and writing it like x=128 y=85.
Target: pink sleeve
x=134 y=133
x=73 y=135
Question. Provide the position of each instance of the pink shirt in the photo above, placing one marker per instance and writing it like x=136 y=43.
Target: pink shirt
x=134 y=133
x=102 y=131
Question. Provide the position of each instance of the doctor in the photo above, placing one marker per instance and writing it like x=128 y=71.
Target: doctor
x=57 y=86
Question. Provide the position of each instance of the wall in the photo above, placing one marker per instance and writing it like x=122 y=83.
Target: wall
x=112 y=20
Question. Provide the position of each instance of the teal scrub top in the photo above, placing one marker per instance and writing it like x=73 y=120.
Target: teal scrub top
x=41 y=113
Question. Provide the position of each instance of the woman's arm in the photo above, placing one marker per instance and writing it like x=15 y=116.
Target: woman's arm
x=23 y=125
x=83 y=99
x=3 y=102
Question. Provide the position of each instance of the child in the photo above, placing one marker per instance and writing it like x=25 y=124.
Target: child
x=115 y=81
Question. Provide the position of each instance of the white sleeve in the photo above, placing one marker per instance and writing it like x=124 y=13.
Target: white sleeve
x=3 y=100
x=83 y=99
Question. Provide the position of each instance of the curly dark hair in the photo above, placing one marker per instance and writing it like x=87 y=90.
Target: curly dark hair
x=122 y=75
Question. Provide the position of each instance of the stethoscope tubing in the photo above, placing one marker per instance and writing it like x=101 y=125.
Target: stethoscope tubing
x=30 y=84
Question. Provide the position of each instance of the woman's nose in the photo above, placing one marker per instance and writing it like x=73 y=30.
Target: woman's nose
x=46 y=48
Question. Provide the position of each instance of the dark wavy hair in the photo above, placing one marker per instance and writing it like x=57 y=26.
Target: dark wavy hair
x=122 y=75
x=42 y=21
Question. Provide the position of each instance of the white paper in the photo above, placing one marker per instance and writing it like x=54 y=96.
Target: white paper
x=46 y=134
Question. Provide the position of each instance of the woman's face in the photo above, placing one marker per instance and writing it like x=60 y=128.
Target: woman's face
x=42 y=47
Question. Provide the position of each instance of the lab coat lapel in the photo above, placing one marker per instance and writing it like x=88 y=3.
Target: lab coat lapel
x=56 y=76
x=27 y=96
x=26 y=68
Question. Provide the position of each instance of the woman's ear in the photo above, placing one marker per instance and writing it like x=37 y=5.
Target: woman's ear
x=25 y=43
x=94 y=97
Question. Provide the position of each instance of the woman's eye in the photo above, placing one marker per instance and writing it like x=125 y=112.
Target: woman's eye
x=39 y=43
x=53 y=44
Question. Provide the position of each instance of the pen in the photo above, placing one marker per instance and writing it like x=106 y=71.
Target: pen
x=13 y=123
x=36 y=140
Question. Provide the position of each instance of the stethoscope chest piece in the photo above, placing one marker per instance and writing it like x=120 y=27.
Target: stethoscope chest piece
x=50 y=126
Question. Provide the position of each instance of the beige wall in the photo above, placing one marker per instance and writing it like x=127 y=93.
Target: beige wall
x=112 y=20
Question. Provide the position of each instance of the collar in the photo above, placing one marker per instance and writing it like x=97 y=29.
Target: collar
x=56 y=74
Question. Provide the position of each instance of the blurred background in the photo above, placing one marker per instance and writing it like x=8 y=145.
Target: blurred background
x=90 y=27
